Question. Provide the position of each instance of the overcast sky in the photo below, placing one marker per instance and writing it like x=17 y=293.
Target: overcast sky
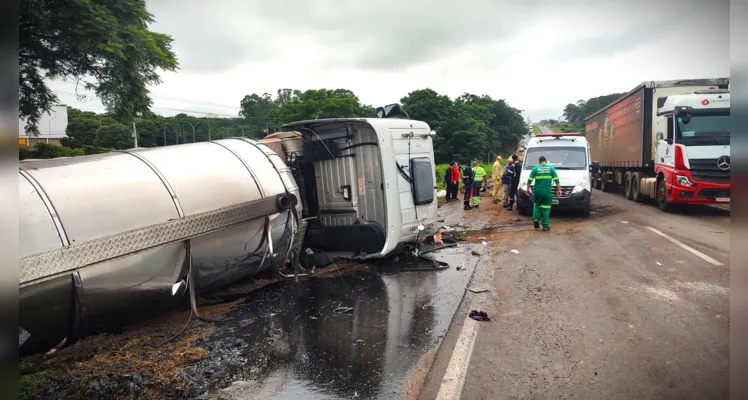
x=539 y=55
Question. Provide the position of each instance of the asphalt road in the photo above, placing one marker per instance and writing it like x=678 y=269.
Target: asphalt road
x=544 y=129
x=603 y=308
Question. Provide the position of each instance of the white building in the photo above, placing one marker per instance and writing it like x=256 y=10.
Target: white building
x=52 y=127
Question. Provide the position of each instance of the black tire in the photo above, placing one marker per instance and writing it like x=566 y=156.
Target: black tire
x=636 y=196
x=627 y=184
x=524 y=211
x=605 y=185
x=662 y=201
x=598 y=182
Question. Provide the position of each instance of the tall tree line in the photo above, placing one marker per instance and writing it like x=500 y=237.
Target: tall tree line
x=575 y=113
x=469 y=127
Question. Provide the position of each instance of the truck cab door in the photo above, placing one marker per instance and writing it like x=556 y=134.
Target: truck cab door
x=665 y=135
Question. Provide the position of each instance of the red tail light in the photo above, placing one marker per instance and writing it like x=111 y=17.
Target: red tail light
x=680 y=163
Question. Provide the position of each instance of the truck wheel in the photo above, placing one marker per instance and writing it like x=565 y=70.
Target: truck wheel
x=605 y=186
x=662 y=201
x=635 y=194
x=627 y=185
x=524 y=211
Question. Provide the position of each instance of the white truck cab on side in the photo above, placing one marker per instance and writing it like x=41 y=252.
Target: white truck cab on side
x=569 y=154
x=368 y=185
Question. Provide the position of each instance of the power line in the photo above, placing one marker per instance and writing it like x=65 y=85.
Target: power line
x=159 y=97
x=182 y=110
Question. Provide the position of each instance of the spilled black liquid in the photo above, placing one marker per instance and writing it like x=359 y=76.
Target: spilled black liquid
x=356 y=336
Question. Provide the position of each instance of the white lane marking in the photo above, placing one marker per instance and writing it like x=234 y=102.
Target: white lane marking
x=454 y=377
x=687 y=247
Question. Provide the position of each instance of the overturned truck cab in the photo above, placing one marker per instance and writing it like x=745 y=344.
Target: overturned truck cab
x=108 y=238
x=366 y=184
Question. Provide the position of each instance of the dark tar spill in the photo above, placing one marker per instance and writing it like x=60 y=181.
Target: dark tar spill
x=331 y=338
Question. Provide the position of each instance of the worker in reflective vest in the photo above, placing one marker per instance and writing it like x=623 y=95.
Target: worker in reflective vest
x=478 y=181
x=544 y=176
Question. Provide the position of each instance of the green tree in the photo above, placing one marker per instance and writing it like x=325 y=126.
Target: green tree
x=104 y=45
x=576 y=113
x=470 y=127
x=321 y=103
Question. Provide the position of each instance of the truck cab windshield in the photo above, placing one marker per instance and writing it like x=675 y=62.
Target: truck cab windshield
x=558 y=157
x=704 y=130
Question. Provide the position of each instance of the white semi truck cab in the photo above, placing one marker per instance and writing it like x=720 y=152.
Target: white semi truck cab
x=693 y=147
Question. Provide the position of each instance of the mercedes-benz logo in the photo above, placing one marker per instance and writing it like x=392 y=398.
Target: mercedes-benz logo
x=723 y=163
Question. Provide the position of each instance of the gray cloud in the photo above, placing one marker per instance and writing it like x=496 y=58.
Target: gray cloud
x=372 y=35
x=211 y=37
x=648 y=23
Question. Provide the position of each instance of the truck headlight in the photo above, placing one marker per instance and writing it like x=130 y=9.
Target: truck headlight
x=683 y=181
x=581 y=185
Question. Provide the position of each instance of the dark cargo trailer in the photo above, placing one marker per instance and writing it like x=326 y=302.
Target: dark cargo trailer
x=623 y=136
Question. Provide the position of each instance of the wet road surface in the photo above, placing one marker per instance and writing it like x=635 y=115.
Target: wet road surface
x=599 y=308
x=333 y=338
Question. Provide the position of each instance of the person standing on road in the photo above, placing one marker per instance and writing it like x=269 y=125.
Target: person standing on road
x=506 y=182
x=467 y=180
x=479 y=179
x=452 y=179
x=517 y=164
x=544 y=176
x=495 y=174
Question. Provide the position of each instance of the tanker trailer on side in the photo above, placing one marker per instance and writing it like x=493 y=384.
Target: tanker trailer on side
x=106 y=238
x=665 y=140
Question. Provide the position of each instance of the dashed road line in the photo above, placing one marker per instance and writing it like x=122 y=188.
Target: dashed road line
x=687 y=247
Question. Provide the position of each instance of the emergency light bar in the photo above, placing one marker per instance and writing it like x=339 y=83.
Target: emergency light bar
x=557 y=134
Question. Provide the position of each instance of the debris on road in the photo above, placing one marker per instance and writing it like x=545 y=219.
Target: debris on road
x=478 y=289
x=514 y=251
x=343 y=310
x=658 y=263
x=479 y=315
x=624 y=222
x=461 y=267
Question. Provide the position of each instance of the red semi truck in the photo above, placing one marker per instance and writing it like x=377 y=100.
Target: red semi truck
x=665 y=140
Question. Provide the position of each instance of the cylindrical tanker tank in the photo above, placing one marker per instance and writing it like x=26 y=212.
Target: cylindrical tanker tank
x=105 y=236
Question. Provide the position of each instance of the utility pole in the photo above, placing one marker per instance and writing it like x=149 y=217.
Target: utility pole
x=134 y=134
x=209 y=131
x=242 y=128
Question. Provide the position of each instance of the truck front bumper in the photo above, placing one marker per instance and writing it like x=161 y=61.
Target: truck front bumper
x=575 y=201
x=699 y=192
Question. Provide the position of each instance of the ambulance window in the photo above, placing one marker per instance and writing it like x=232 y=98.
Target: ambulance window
x=422 y=174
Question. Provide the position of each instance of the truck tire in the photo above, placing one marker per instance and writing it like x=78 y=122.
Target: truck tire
x=627 y=185
x=597 y=182
x=662 y=201
x=524 y=211
x=636 y=196
x=605 y=186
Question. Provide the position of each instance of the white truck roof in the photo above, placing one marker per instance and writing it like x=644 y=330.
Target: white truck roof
x=557 y=139
x=695 y=100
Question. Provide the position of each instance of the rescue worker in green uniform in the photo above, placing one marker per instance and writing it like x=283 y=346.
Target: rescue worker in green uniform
x=543 y=175
x=478 y=182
